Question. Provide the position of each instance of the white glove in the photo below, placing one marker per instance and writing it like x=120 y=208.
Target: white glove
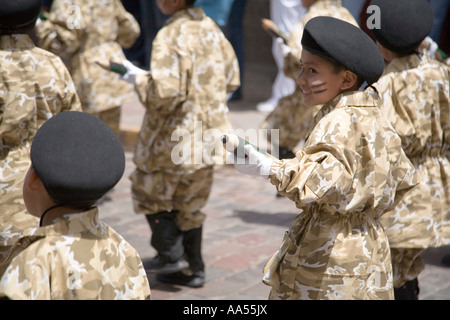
x=255 y=164
x=430 y=46
x=132 y=72
x=285 y=49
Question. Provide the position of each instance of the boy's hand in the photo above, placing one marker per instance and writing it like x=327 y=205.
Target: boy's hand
x=255 y=164
x=132 y=72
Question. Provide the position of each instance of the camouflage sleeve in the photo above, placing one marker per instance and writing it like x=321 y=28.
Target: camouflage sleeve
x=165 y=86
x=62 y=32
x=70 y=98
x=58 y=90
x=129 y=29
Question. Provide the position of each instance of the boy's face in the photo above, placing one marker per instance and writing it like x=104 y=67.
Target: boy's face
x=169 y=7
x=318 y=79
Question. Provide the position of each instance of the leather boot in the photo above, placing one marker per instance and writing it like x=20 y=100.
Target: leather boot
x=408 y=291
x=195 y=276
x=167 y=240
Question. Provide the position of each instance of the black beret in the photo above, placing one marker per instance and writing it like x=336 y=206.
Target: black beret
x=77 y=157
x=346 y=44
x=403 y=24
x=18 y=16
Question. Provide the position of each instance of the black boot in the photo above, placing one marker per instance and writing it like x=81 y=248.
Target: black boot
x=167 y=239
x=408 y=291
x=192 y=243
x=286 y=153
x=195 y=276
x=446 y=260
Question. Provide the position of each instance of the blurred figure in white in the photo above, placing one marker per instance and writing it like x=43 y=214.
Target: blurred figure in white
x=285 y=14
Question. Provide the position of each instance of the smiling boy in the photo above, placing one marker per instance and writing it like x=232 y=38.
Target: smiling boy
x=291 y=117
x=350 y=171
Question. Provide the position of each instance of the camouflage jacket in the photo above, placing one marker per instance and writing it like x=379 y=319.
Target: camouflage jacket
x=350 y=171
x=193 y=66
x=86 y=31
x=34 y=85
x=76 y=257
x=415 y=94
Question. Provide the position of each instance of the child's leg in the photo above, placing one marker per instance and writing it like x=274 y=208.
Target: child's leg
x=406 y=265
x=112 y=118
x=191 y=196
x=166 y=237
x=152 y=195
x=192 y=243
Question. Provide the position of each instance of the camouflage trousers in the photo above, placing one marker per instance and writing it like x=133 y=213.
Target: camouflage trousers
x=166 y=191
x=406 y=265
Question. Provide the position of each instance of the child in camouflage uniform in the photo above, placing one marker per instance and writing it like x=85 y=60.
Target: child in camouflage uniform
x=86 y=31
x=34 y=86
x=415 y=99
x=193 y=66
x=75 y=160
x=350 y=171
x=291 y=117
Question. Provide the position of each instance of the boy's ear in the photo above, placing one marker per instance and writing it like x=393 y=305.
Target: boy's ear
x=350 y=80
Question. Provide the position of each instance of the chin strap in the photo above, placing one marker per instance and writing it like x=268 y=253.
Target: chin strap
x=46 y=211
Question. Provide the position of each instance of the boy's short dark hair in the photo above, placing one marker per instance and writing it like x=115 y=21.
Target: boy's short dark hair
x=190 y=3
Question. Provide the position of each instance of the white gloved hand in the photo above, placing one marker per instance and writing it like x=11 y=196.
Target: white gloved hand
x=285 y=49
x=132 y=72
x=431 y=46
x=255 y=164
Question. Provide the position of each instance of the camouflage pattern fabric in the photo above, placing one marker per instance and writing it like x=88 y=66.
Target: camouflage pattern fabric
x=165 y=191
x=86 y=31
x=34 y=86
x=112 y=118
x=290 y=116
x=351 y=170
x=415 y=92
x=193 y=66
x=292 y=119
x=76 y=257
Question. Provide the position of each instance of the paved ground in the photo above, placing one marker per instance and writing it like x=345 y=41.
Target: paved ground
x=245 y=221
